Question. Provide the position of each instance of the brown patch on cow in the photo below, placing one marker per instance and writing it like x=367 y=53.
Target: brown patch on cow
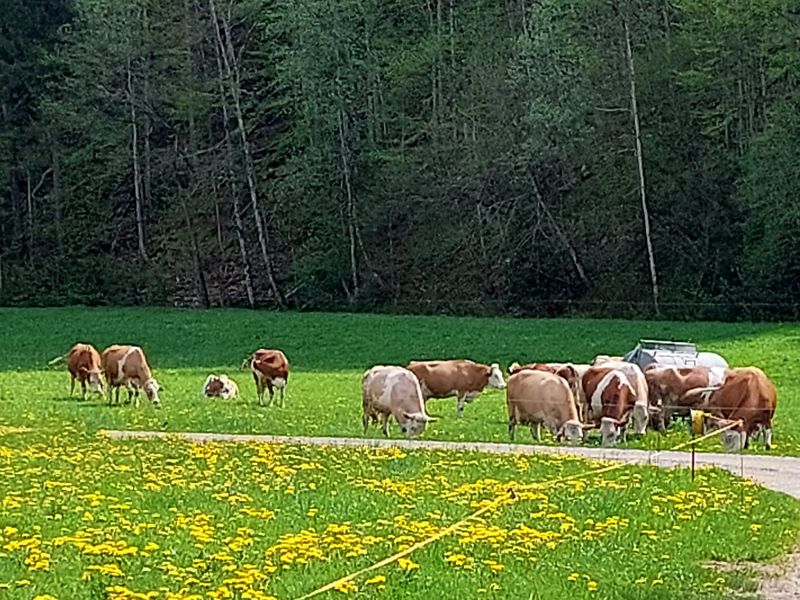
x=270 y=367
x=83 y=364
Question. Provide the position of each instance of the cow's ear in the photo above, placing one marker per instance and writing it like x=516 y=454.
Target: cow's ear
x=83 y=370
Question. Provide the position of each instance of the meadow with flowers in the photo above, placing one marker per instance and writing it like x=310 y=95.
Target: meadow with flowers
x=87 y=517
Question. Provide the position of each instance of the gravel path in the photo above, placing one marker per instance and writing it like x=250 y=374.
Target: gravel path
x=775 y=472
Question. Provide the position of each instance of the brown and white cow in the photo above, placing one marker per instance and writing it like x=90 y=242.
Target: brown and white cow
x=127 y=366
x=389 y=391
x=83 y=364
x=667 y=386
x=270 y=370
x=572 y=374
x=537 y=397
x=610 y=401
x=746 y=395
x=642 y=411
x=220 y=386
x=464 y=379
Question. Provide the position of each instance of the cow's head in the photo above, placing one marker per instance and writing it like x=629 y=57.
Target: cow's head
x=640 y=416
x=609 y=430
x=413 y=424
x=571 y=431
x=496 y=377
x=514 y=367
x=213 y=386
x=151 y=388
x=733 y=440
x=93 y=379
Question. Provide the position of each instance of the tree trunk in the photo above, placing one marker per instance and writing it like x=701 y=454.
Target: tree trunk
x=137 y=177
x=200 y=278
x=639 y=160
x=58 y=204
x=232 y=76
x=29 y=209
x=350 y=206
x=148 y=122
x=237 y=213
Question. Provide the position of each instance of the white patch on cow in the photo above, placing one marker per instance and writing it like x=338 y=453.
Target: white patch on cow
x=121 y=364
x=279 y=382
x=716 y=376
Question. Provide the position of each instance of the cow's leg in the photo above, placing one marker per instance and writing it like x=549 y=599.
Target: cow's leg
x=385 y=425
x=365 y=420
x=283 y=396
x=536 y=432
x=116 y=396
x=512 y=427
x=767 y=438
x=83 y=390
x=461 y=400
x=259 y=389
x=271 y=391
x=71 y=386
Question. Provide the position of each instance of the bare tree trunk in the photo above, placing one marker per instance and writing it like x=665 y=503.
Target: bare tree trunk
x=232 y=76
x=137 y=177
x=237 y=213
x=639 y=160
x=218 y=219
x=200 y=278
x=148 y=122
x=350 y=207
x=30 y=216
x=58 y=204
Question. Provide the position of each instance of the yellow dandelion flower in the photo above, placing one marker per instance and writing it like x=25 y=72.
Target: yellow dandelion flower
x=574 y=576
x=346 y=586
x=591 y=586
x=407 y=565
x=375 y=580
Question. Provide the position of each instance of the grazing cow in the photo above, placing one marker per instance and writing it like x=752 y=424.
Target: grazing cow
x=572 y=374
x=396 y=392
x=461 y=378
x=746 y=395
x=219 y=386
x=642 y=411
x=537 y=396
x=127 y=366
x=270 y=370
x=668 y=385
x=83 y=363
x=611 y=399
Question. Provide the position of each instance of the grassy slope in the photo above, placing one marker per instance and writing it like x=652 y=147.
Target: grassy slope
x=84 y=517
x=328 y=352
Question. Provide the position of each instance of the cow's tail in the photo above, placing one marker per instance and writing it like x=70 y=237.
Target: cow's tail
x=58 y=360
x=246 y=363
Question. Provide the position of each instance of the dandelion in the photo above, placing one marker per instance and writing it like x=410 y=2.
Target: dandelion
x=407 y=565
x=574 y=576
x=591 y=586
x=346 y=586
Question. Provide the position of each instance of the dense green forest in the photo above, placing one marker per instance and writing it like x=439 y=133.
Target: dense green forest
x=466 y=156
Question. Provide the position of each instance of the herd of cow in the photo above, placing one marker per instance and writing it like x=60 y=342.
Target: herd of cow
x=609 y=394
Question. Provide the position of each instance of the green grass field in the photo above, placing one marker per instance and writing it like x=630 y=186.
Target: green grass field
x=328 y=353
x=84 y=517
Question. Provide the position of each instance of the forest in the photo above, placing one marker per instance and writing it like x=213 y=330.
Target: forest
x=516 y=157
